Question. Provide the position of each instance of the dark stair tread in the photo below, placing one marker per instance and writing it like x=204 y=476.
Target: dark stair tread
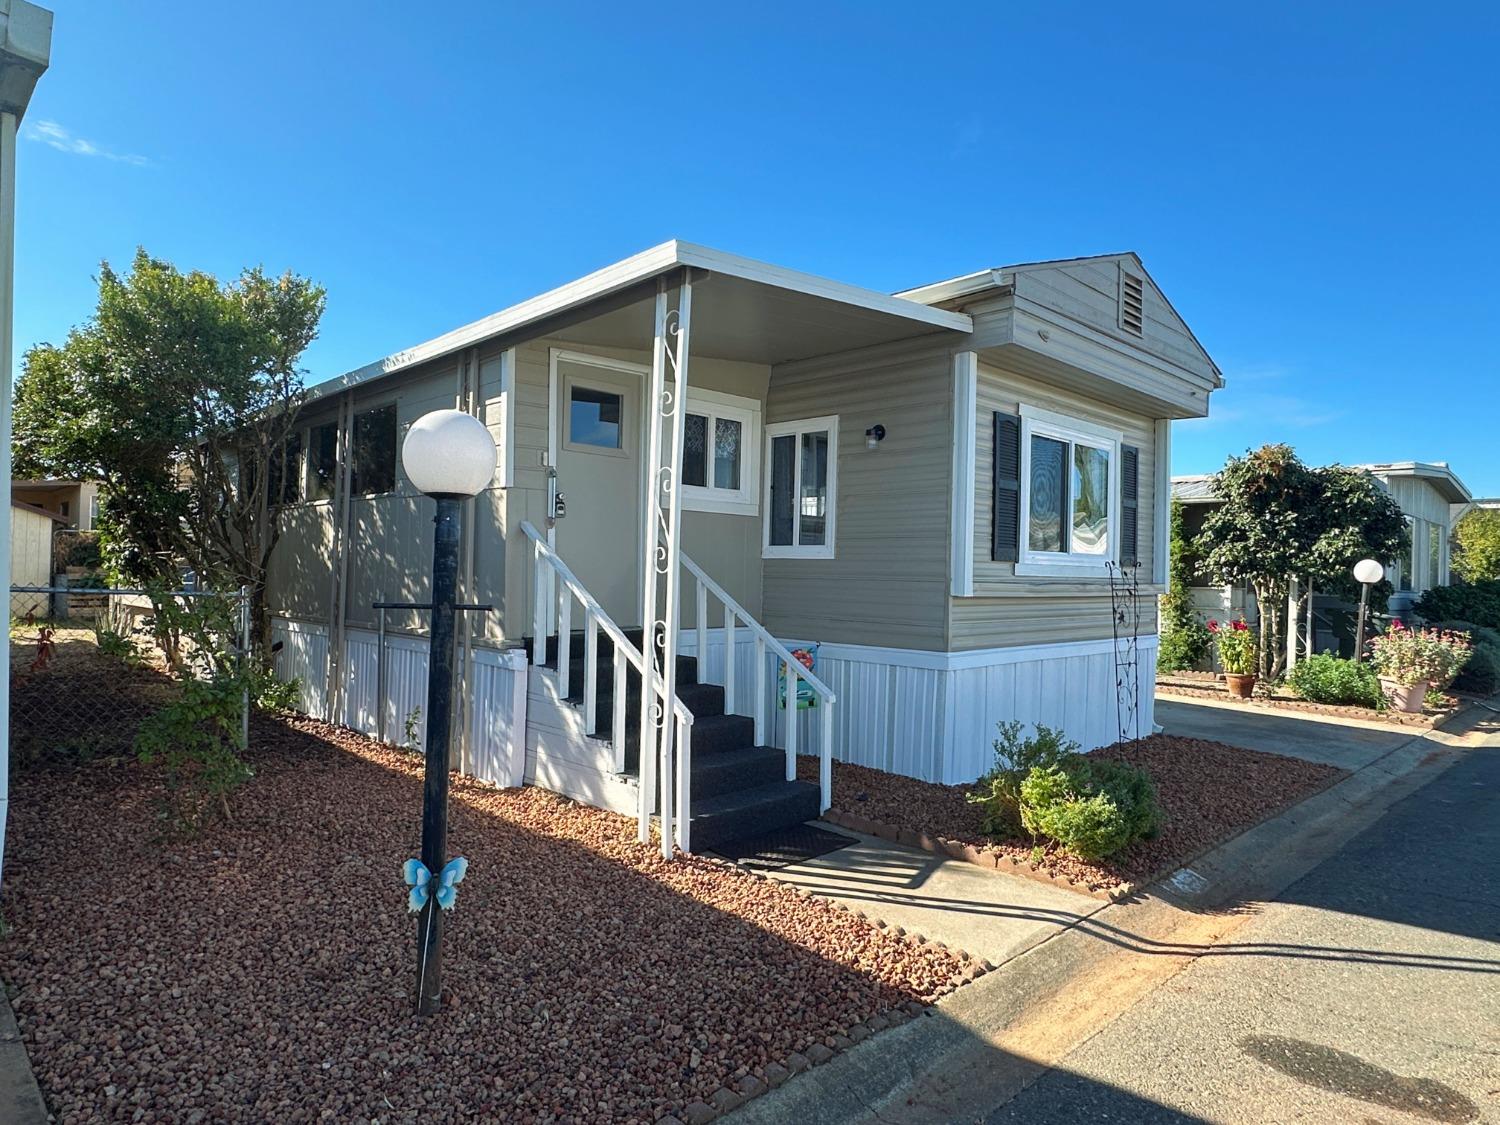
x=705 y=701
x=752 y=812
x=749 y=798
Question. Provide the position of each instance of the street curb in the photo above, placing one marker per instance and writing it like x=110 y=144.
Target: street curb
x=954 y=1046
x=20 y=1097
x=1416 y=726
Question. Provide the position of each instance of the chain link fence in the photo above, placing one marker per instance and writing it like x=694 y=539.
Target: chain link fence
x=87 y=668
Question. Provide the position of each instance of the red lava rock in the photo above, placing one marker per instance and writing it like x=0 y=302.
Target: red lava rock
x=1208 y=792
x=264 y=970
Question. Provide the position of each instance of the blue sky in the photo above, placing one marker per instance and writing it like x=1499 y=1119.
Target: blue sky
x=1314 y=186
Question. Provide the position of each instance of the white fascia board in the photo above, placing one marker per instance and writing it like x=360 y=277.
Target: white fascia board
x=600 y=283
x=641 y=267
x=954 y=288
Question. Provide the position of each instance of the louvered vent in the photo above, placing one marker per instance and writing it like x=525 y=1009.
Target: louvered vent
x=1130 y=303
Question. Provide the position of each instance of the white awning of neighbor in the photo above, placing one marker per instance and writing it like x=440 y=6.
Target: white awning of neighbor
x=742 y=309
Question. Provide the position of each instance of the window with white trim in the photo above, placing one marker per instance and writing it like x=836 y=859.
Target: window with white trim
x=1070 y=495
x=721 y=453
x=801 y=488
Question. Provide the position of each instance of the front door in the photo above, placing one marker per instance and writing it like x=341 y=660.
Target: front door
x=598 y=441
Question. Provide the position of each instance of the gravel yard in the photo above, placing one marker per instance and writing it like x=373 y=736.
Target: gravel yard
x=263 y=971
x=1208 y=793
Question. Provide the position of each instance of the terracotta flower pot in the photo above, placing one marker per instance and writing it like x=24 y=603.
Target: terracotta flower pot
x=1404 y=697
x=1241 y=686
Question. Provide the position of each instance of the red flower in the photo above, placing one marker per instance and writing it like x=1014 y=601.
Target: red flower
x=1240 y=626
x=1213 y=626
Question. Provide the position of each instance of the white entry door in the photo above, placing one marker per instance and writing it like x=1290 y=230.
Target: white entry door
x=597 y=423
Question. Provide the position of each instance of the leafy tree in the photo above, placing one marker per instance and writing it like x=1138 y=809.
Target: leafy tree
x=1476 y=541
x=1184 y=637
x=177 y=394
x=1281 y=520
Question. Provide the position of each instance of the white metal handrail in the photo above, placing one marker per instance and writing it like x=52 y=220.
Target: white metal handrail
x=734 y=614
x=626 y=653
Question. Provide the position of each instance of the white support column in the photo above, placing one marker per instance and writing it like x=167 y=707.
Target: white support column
x=25 y=49
x=1292 y=624
x=673 y=410
x=965 y=438
x=646 y=774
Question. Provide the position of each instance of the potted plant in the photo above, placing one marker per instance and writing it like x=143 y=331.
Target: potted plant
x=1410 y=661
x=1235 y=644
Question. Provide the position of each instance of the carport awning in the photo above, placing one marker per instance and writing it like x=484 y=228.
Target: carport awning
x=742 y=310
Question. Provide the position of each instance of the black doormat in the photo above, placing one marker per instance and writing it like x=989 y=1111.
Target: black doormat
x=784 y=847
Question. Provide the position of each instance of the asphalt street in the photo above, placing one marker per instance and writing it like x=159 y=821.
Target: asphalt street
x=1367 y=992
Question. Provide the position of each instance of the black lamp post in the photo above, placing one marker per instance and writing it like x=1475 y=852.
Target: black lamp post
x=450 y=456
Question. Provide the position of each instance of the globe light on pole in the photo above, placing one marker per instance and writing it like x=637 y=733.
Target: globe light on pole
x=450 y=456
x=1367 y=572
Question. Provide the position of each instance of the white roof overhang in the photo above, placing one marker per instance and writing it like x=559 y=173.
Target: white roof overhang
x=742 y=309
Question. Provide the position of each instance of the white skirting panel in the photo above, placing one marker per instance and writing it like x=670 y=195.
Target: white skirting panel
x=304 y=657
x=933 y=715
x=495 y=750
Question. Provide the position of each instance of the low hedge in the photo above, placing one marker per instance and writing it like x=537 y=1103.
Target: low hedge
x=1325 y=678
x=1477 y=602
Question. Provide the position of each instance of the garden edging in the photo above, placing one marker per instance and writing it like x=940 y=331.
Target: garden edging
x=1321 y=712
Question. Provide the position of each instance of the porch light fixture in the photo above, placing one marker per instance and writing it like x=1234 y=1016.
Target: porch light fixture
x=874 y=436
x=450 y=456
x=1367 y=572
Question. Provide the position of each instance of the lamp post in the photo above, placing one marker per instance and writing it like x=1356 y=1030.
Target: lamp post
x=1367 y=572
x=450 y=456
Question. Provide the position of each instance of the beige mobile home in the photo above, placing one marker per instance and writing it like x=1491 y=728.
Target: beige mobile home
x=898 y=514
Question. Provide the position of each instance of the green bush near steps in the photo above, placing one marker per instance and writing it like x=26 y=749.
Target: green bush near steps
x=1325 y=678
x=1090 y=807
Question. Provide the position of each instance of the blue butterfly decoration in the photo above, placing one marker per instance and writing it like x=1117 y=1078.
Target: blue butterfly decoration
x=421 y=881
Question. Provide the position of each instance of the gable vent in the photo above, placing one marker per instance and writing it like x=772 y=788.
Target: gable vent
x=1131 y=302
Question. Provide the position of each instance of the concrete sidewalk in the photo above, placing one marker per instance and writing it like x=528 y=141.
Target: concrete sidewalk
x=991 y=915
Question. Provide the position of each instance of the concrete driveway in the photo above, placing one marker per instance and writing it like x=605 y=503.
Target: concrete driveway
x=1297 y=736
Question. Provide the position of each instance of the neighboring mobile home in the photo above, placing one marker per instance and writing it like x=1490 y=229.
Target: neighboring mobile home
x=922 y=494
x=74 y=502
x=1429 y=493
x=31 y=531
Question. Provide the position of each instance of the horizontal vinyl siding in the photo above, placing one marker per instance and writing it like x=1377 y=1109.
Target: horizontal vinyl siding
x=887 y=584
x=1088 y=293
x=1011 y=610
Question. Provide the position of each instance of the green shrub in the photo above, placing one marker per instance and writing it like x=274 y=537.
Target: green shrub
x=1091 y=807
x=1478 y=602
x=1184 y=646
x=1481 y=675
x=1088 y=827
x=999 y=791
x=1133 y=791
x=1325 y=678
x=1185 y=638
x=116 y=644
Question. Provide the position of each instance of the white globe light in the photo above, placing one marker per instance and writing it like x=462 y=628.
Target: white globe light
x=449 y=453
x=1368 y=571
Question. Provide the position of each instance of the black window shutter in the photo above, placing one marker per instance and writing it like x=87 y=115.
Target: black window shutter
x=1006 y=544
x=1130 y=507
